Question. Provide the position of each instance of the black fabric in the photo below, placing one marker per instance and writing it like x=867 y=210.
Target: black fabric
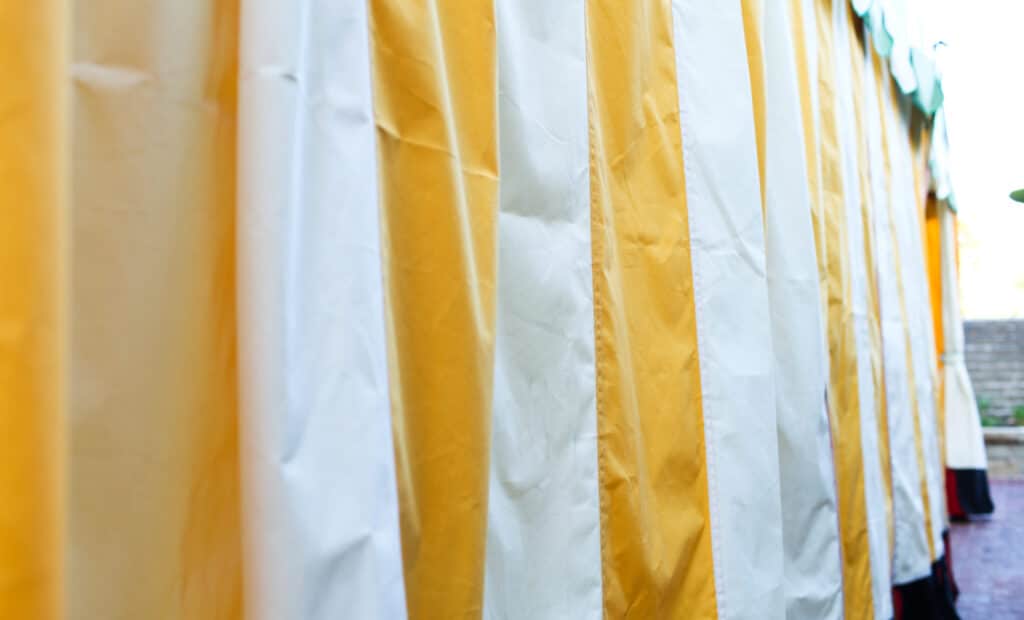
x=947 y=563
x=972 y=491
x=929 y=598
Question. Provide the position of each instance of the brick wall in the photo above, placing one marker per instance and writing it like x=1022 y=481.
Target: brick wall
x=995 y=361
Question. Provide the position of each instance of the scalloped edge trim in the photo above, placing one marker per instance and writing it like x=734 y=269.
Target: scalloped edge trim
x=927 y=98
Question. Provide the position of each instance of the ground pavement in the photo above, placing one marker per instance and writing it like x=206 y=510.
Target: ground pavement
x=988 y=558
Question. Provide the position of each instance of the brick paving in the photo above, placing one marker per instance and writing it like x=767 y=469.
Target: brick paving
x=988 y=558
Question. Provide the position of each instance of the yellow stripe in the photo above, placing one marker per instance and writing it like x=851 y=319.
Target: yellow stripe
x=933 y=251
x=857 y=53
x=32 y=334
x=843 y=381
x=894 y=203
x=434 y=74
x=154 y=504
x=656 y=537
x=753 y=10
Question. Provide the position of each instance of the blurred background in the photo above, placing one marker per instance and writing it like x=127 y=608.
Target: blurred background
x=981 y=64
x=984 y=103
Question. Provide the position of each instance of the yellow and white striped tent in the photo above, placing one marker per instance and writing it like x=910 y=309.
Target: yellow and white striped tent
x=492 y=308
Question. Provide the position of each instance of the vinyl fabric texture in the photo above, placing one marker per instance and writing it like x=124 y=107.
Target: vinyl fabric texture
x=503 y=309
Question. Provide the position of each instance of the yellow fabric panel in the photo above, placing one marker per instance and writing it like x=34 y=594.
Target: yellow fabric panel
x=843 y=395
x=753 y=11
x=656 y=535
x=891 y=107
x=811 y=145
x=933 y=253
x=33 y=219
x=434 y=74
x=857 y=54
x=154 y=526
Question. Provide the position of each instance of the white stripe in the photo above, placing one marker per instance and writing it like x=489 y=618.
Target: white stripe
x=911 y=559
x=543 y=540
x=965 y=445
x=813 y=568
x=321 y=513
x=810 y=31
x=810 y=23
x=874 y=486
x=733 y=323
x=915 y=278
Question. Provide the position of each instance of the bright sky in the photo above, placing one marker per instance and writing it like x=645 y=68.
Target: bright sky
x=984 y=92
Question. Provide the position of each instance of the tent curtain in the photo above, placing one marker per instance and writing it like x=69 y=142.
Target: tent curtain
x=398 y=308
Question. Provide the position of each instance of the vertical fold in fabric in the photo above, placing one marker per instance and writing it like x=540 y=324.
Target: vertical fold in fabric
x=880 y=264
x=920 y=144
x=543 y=544
x=731 y=299
x=862 y=306
x=910 y=224
x=435 y=107
x=753 y=33
x=933 y=263
x=154 y=527
x=33 y=301
x=321 y=508
x=860 y=53
x=844 y=382
x=964 y=443
x=813 y=582
x=911 y=552
x=655 y=531
x=803 y=20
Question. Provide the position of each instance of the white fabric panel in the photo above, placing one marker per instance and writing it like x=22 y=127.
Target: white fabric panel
x=810 y=29
x=915 y=286
x=811 y=47
x=965 y=444
x=813 y=568
x=733 y=321
x=810 y=24
x=938 y=162
x=543 y=540
x=911 y=559
x=321 y=510
x=874 y=485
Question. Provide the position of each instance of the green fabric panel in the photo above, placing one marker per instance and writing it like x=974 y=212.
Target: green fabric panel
x=876 y=25
x=928 y=95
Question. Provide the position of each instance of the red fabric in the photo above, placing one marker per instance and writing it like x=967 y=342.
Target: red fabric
x=897 y=604
x=956 y=511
